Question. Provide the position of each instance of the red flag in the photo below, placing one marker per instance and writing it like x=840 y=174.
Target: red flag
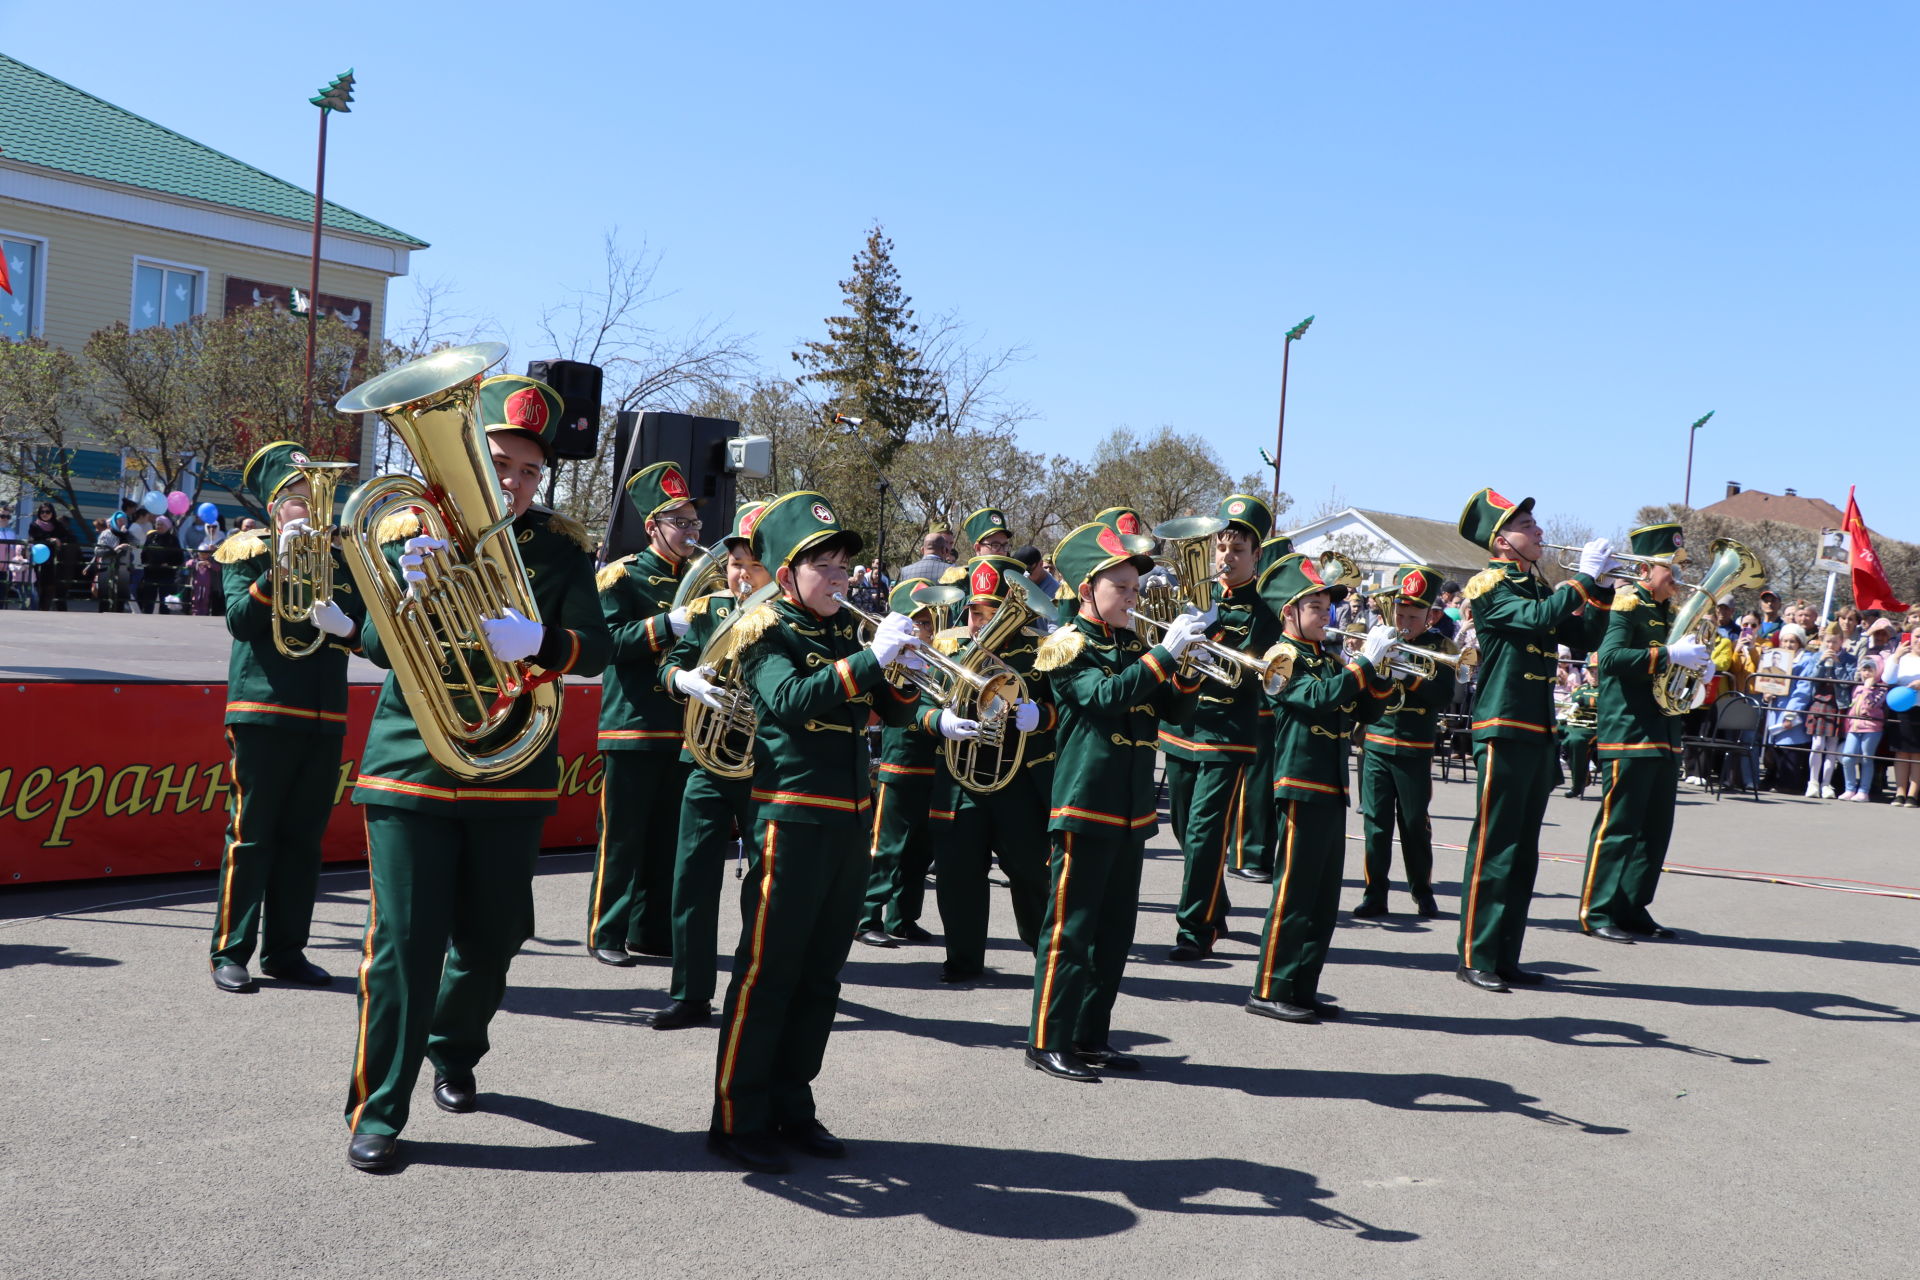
x=1870 y=587
x=6 y=285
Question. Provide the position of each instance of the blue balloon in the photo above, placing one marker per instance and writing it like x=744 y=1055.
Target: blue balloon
x=208 y=513
x=42 y=553
x=1903 y=698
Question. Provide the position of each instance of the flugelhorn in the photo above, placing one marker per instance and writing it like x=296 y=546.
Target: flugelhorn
x=303 y=576
x=1626 y=558
x=1409 y=661
x=1190 y=559
x=479 y=718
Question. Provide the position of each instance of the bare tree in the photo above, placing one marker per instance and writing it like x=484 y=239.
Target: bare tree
x=40 y=389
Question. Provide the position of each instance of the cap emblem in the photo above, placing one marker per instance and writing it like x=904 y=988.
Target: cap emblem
x=527 y=409
x=1110 y=542
x=823 y=513
x=986 y=580
x=673 y=484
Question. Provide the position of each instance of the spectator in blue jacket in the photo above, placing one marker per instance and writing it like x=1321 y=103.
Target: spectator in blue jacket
x=1788 y=736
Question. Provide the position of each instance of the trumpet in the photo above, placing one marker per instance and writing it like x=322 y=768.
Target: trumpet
x=942 y=679
x=1409 y=661
x=1189 y=540
x=304 y=576
x=1626 y=558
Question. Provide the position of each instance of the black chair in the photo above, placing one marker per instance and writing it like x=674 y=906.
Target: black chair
x=1734 y=714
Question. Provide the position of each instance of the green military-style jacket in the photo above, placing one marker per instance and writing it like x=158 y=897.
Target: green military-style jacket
x=396 y=769
x=1585 y=698
x=1225 y=723
x=1037 y=758
x=1633 y=658
x=1314 y=715
x=636 y=595
x=1520 y=622
x=1414 y=728
x=1111 y=691
x=703 y=615
x=302 y=695
x=814 y=684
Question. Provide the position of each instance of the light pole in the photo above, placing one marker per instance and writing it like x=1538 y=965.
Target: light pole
x=1686 y=499
x=334 y=97
x=1280 y=436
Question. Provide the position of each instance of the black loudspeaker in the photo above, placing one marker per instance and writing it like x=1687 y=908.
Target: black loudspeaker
x=578 y=383
x=699 y=445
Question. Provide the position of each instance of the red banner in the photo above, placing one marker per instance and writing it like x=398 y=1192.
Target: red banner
x=1870 y=587
x=132 y=779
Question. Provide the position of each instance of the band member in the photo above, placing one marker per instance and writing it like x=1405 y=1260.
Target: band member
x=902 y=843
x=1252 y=858
x=286 y=719
x=1316 y=705
x=1519 y=622
x=1396 y=756
x=1639 y=745
x=968 y=827
x=1210 y=756
x=814 y=686
x=712 y=808
x=630 y=899
x=452 y=860
x=987 y=532
x=1583 y=710
x=1110 y=690
x=1132 y=529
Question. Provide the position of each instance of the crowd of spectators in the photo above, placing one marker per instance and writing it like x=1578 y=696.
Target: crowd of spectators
x=130 y=561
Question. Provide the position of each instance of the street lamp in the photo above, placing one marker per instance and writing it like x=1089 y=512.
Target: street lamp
x=1280 y=436
x=334 y=97
x=1686 y=499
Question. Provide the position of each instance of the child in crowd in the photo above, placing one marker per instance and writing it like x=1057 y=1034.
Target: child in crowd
x=1866 y=720
x=1833 y=672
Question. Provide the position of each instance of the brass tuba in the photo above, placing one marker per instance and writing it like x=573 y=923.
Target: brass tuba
x=721 y=742
x=1731 y=567
x=304 y=576
x=461 y=696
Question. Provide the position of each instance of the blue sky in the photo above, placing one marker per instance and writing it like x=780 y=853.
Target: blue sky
x=1539 y=239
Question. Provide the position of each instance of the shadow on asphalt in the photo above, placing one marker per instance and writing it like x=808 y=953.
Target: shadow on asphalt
x=16 y=955
x=1827 y=1005
x=1818 y=949
x=1578 y=1033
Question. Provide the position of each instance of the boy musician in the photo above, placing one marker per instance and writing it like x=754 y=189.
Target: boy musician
x=1316 y=705
x=1210 y=756
x=1583 y=709
x=1111 y=690
x=711 y=808
x=451 y=861
x=1639 y=745
x=814 y=687
x=286 y=719
x=1396 y=757
x=1253 y=826
x=630 y=898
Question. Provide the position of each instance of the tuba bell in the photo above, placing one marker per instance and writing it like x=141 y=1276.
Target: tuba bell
x=478 y=717
x=721 y=742
x=1730 y=568
x=303 y=577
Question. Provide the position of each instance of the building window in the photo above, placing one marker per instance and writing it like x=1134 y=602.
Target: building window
x=164 y=293
x=20 y=308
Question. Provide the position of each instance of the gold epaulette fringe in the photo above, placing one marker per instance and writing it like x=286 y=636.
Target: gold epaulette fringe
x=568 y=527
x=948 y=641
x=1626 y=600
x=611 y=574
x=398 y=526
x=698 y=609
x=240 y=546
x=957 y=573
x=1065 y=592
x=1484 y=581
x=753 y=626
x=1059 y=649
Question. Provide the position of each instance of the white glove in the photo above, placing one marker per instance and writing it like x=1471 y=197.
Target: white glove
x=894 y=636
x=1207 y=619
x=695 y=684
x=331 y=618
x=1273 y=685
x=1378 y=644
x=952 y=726
x=679 y=621
x=289 y=531
x=514 y=638
x=418 y=549
x=1597 y=558
x=1687 y=651
x=1182 y=632
x=1026 y=716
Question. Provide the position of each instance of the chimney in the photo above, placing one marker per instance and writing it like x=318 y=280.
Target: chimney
x=1733 y=488
x=1790 y=494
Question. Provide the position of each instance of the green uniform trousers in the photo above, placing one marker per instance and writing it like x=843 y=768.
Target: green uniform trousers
x=1012 y=823
x=1253 y=832
x=1203 y=799
x=799 y=904
x=451 y=903
x=710 y=812
x=1579 y=757
x=902 y=852
x=1396 y=787
x=1084 y=939
x=1629 y=842
x=1513 y=781
x=1306 y=900
x=631 y=898
x=282 y=796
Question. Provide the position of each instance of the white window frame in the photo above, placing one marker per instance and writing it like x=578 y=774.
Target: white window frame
x=144 y=260
x=39 y=300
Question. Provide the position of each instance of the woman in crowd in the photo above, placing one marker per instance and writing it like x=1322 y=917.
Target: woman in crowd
x=1833 y=669
x=1902 y=668
x=160 y=560
x=1866 y=718
x=1787 y=735
x=113 y=552
x=46 y=530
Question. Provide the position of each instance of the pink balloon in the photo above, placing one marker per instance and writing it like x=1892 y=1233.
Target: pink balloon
x=177 y=503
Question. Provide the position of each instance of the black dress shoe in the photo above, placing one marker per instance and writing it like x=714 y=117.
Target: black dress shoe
x=681 y=1013
x=811 y=1137
x=1481 y=978
x=1608 y=933
x=373 y=1152
x=1106 y=1058
x=910 y=932
x=1521 y=977
x=1576 y=793
x=456 y=1093
x=1653 y=931
x=1253 y=874
x=875 y=938
x=232 y=977
x=1064 y=1066
x=297 y=970
x=1368 y=909
x=754 y=1152
x=1186 y=952
x=949 y=974
x=607 y=955
x=650 y=948
x=1325 y=1008
x=1282 y=1010
x=1426 y=906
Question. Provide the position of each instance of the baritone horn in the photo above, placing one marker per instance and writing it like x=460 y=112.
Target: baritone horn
x=1731 y=568
x=303 y=577
x=721 y=741
x=990 y=760
x=479 y=718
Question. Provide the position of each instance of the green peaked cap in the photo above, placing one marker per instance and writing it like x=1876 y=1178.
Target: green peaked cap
x=1662 y=541
x=1487 y=514
x=1245 y=512
x=743 y=521
x=272 y=468
x=660 y=487
x=1414 y=584
x=1293 y=576
x=1133 y=531
x=982 y=523
x=797 y=522
x=1095 y=547
x=514 y=402
x=1270 y=551
x=987 y=580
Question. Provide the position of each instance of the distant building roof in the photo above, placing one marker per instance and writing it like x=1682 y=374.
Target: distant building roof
x=1416 y=538
x=1785 y=508
x=49 y=123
